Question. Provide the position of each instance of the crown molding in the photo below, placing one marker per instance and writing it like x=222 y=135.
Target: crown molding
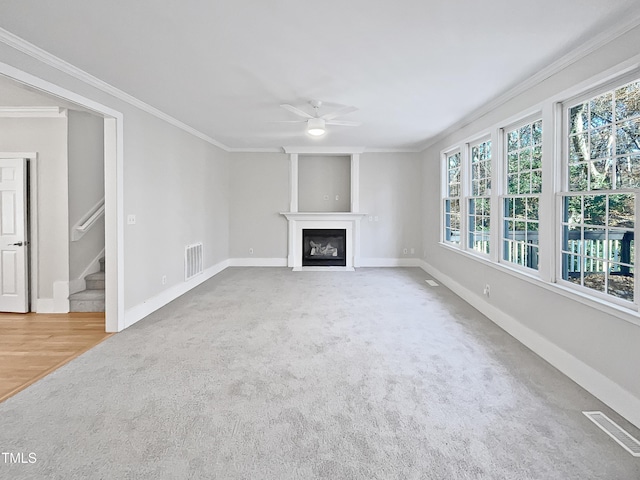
x=324 y=150
x=593 y=43
x=33 y=112
x=256 y=150
x=393 y=150
x=43 y=56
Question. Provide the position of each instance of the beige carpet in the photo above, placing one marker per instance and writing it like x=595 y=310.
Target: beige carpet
x=271 y=374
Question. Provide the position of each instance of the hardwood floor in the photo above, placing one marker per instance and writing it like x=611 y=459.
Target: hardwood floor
x=34 y=345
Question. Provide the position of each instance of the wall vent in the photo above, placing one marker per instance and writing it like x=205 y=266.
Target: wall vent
x=193 y=261
x=616 y=432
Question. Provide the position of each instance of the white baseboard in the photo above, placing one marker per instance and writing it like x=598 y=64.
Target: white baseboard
x=257 y=262
x=137 y=313
x=600 y=386
x=390 y=262
x=45 y=305
x=61 y=297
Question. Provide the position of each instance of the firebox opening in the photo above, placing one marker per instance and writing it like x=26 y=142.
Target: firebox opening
x=321 y=247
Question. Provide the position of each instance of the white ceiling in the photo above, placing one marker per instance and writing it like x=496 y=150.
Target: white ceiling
x=412 y=67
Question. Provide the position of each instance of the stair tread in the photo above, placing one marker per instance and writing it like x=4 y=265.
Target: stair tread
x=88 y=295
x=95 y=276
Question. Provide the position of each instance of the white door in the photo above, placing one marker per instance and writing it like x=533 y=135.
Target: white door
x=13 y=236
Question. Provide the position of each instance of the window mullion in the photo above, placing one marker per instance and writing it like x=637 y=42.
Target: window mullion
x=497 y=188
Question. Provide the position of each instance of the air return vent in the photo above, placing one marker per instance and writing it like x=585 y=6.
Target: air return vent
x=193 y=262
x=616 y=432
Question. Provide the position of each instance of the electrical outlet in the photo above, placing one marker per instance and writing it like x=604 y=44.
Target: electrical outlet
x=487 y=290
x=375 y=218
x=164 y=279
x=413 y=251
x=251 y=251
x=405 y=251
x=371 y=218
x=337 y=197
x=131 y=219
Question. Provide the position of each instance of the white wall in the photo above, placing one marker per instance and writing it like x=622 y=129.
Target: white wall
x=259 y=190
x=175 y=183
x=599 y=350
x=86 y=186
x=390 y=189
x=48 y=138
x=320 y=180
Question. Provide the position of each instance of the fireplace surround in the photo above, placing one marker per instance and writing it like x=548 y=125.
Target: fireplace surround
x=349 y=222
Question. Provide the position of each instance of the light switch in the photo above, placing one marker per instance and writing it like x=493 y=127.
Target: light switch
x=131 y=219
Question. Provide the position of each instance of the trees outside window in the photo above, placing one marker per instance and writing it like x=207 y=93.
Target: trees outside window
x=603 y=175
x=521 y=220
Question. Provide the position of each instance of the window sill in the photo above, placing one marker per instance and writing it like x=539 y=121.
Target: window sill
x=628 y=314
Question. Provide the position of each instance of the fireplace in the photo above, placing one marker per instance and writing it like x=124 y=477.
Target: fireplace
x=324 y=247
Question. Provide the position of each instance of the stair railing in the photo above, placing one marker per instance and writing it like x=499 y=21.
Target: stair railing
x=87 y=221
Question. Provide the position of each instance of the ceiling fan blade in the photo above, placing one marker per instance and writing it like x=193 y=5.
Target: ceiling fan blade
x=295 y=110
x=344 y=123
x=339 y=112
x=289 y=121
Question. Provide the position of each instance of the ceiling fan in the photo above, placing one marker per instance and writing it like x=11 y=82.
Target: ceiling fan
x=316 y=123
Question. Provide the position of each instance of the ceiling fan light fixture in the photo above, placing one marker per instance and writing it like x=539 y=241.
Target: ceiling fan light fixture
x=316 y=127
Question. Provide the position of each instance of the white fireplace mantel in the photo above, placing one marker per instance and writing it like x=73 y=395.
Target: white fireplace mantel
x=348 y=221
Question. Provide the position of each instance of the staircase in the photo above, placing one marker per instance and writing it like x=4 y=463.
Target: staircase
x=91 y=299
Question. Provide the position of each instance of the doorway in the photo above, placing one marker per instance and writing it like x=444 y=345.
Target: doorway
x=113 y=182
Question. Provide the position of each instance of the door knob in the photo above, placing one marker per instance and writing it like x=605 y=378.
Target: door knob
x=18 y=244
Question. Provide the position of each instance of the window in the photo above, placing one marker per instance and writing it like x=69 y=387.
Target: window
x=603 y=175
x=452 y=217
x=480 y=201
x=522 y=200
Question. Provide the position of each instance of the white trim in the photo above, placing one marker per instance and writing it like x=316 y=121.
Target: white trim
x=142 y=310
x=114 y=223
x=293 y=182
x=324 y=150
x=114 y=189
x=393 y=150
x=33 y=112
x=603 y=388
x=60 y=296
x=620 y=27
x=390 y=262
x=355 y=182
x=257 y=262
x=255 y=150
x=28 y=48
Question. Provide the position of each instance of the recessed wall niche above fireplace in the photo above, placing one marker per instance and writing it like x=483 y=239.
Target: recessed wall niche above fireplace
x=326 y=208
x=324 y=247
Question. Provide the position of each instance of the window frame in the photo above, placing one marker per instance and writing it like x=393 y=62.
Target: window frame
x=531 y=118
x=446 y=154
x=468 y=194
x=564 y=131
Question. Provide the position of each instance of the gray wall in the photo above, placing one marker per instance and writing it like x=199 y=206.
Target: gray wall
x=48 y=138
x=259 y=191
x=175 y=183
x=86 y=186
x=602 y=341
x=390 y=189
x=320 y=180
